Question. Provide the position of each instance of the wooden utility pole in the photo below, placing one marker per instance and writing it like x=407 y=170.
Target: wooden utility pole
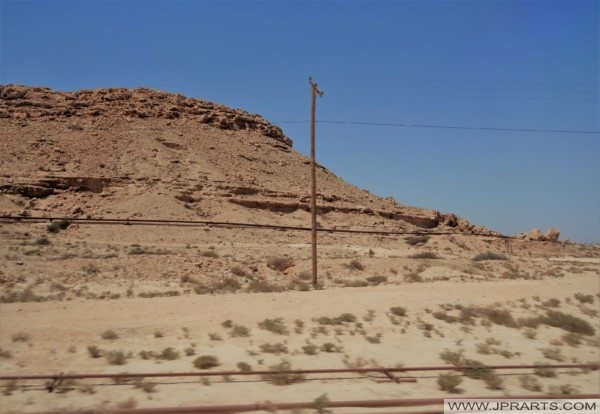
x=313 y=179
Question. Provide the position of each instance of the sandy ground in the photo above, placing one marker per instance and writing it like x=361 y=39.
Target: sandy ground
x=58 y=334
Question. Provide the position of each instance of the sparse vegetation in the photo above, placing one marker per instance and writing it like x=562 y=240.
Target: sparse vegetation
x=356 y=265
x=449 y=382
x=530 y=383
x=489 y=256
x=275 y=348
x=94 y=351
x=569 y=323
x=338 y=320
x=116 y=357
x=280 y=263
x=276 y=325
x=206 y=362
x=377 y=280
x=398 y=311
x=425 y=255
x=544 y=371
x=20 y=337
x=282 y=374
x=244 y=367
x=168 y=354
x=109 y=335
x=239 y=331
x=583 y=298
x=414 y=240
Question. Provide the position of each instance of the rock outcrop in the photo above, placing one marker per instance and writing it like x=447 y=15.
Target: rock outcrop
x=550 y=235
x=22 y=102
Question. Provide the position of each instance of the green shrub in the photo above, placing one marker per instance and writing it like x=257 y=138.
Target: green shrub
x=206 y=362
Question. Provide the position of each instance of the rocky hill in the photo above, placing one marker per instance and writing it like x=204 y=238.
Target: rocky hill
x=119 y=153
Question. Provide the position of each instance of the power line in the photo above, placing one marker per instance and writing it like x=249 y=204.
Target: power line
x=560 y=131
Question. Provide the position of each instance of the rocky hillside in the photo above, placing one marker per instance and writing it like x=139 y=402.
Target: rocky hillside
x=119 y=153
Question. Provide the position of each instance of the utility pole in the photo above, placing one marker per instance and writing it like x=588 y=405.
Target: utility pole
x=313 y=179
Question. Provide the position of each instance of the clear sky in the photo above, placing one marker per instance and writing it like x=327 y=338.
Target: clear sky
x=520 y=65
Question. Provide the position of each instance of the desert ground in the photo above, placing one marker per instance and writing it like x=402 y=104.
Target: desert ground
x=83 y=306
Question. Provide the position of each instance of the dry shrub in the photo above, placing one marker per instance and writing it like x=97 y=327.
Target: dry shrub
x=398 y=311
x=280 y=263
x=239 y=331
x=275 y=325
x=424 y=255
x=530 y=383
x=569 y=323
x=275 y=348
x=116 y=357
x=448 y=382
x=488 y=256
x=282 y=374
x=355 y=265
x=414 y=240
x=206 y=362
x=376 y=280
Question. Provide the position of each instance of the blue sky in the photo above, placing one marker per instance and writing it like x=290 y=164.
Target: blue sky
x=530 y=65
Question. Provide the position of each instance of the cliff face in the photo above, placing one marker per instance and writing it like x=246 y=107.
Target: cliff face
x=142 y=153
